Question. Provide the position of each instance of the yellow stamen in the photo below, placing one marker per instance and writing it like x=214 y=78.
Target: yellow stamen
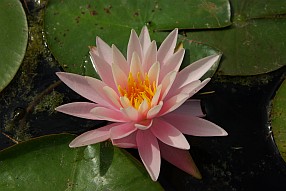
x=138 y=89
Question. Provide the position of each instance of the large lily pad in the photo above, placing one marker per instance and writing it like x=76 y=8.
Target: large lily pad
x=13 y=39
x=255 y=43
x=278 y=119
x=71 y=26
x=49 y=164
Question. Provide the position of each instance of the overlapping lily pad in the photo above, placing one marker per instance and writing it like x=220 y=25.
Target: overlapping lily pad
x=71 y=26
x=278 y=119
x=49 y=164
x=13 y=39
x=255 y=43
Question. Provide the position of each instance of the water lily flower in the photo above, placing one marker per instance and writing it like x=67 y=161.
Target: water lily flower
x=146 y=98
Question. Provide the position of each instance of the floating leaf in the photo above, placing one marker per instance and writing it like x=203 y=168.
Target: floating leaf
x=255 y=43
x=195 y=51
x=13 y=39
x=71 y=26
x=48 y=163
x=278 y=119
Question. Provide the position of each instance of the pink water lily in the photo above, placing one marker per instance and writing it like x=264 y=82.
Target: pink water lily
x=147 y=99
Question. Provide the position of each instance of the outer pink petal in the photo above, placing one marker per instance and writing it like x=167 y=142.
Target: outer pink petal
x=120 y=60
x=133 y=46
x=195 y=71
x=167 y=47
x=126 y=142
x=173 y=103
x=145 y=40
x=109 y=114
x=102 y=67
x=173 y=63
x=169 y=135
x=79 y=109
x=150 y=57
x=167 y=83
x=88 y=87
x=92 y=137
x=144 y=124
x=190 y=107
x=180 y=158
x=187 y=89
x=122 y=130
x=104 y=50
x=196 y=126
x=149 y=152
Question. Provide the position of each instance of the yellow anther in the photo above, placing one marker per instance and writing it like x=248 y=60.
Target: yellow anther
x=137 y=90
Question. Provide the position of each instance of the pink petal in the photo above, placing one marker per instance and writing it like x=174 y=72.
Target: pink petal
x=150 y=57
x=169 y=135
x=167 y=47
x=136 y=66
x=104 y=50
x=87 y=87
x=149 y=152
x=153 y=112
x=198 y=88
x=124 y=101
x=120 y=60
x=172 y=64
x=126 y=142
x=180 y=158
x=145 y=40
x=167 y=83
x=190 y=107
x=195 y=71
x=79 y=109
x=92 y=137
x=196 y=126
x=173 y=103
x=144 y=124
x=112 y=96
x=122 y=130
x=102 y=68
x=109 y=114
x=153 y=73
x=131 y=113
x=156 y=97
x=133 y=46
x=187 y=89
x=119 y=76
x=143 y=108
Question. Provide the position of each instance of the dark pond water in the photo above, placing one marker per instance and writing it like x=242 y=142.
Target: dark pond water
x=246 y=160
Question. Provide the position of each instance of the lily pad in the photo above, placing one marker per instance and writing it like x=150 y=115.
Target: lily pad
x=71 y=26
x=195 y=51
x=48 y=163
x=278 y=119
x=13 y=39
x=255 y=43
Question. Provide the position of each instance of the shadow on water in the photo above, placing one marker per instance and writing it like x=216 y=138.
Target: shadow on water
x=247 y=159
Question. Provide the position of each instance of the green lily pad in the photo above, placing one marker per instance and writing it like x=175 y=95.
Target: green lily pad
x=13 y=39
x=71 y=26
x=48 y=163
x=250 y=46
x=278 y=119
x=195 y=51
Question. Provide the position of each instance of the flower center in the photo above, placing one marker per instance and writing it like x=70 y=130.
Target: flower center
x=138 y=89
